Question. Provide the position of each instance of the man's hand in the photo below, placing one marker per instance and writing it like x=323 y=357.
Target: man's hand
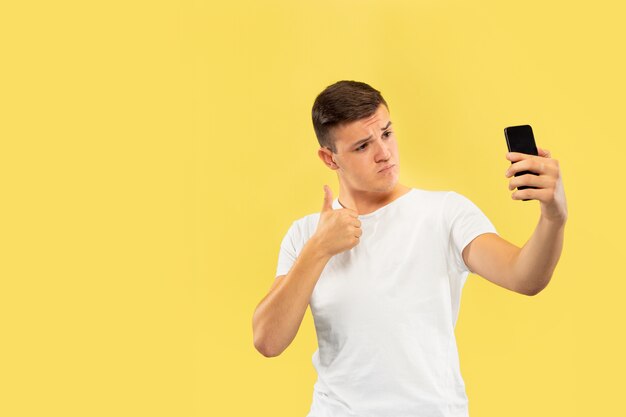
x=549 y=185
x=337 y=230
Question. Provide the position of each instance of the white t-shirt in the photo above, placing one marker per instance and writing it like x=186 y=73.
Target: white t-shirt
x=385 y=310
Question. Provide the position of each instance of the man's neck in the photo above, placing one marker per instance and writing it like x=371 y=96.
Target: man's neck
x=365 y=203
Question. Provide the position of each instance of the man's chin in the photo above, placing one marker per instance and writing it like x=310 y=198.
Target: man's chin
x=387 y=186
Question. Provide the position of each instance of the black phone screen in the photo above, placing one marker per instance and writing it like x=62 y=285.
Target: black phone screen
x=521 y=139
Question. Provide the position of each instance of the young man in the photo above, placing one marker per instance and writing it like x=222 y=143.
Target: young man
x=383 y=265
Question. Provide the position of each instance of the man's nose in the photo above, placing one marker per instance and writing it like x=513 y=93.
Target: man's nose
x=382 y=150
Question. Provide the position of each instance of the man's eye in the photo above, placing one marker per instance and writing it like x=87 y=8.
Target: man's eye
x=386 y=134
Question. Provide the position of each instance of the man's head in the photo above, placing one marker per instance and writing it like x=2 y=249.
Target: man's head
x=351 y=122
x=341 y=103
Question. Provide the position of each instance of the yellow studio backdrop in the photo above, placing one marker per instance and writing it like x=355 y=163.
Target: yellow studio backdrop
x=154 y=153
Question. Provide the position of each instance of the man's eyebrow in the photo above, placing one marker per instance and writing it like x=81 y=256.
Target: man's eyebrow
x=370 y=136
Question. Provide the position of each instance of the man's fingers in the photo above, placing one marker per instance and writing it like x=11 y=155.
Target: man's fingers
x=352 y=213
x=544 y=153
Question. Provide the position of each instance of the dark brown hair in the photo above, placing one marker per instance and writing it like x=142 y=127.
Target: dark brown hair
x=340 y=103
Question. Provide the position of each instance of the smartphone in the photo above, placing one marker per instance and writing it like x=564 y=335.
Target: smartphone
x=521 y=139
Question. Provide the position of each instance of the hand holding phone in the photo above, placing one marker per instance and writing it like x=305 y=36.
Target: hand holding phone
x=521 y=139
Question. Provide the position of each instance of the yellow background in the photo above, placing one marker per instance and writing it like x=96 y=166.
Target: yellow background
x=154 y=153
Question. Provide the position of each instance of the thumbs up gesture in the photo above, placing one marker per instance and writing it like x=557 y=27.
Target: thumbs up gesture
x=338 y=230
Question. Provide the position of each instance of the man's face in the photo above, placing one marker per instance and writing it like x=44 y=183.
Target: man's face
x=364 y=148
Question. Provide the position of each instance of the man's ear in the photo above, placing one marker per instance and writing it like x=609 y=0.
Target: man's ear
x=332 y=160
x=324 y=153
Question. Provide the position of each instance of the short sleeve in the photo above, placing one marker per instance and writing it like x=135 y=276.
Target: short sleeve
x=463 y=222
x=287 y=253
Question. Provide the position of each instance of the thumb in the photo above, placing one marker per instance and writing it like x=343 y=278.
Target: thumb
x=328 y=198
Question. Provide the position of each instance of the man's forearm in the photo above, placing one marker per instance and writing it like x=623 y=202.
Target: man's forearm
x=536 y=261
x=278 y=316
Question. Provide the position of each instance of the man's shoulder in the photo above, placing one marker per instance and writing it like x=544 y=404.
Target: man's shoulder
x=308 y=223
x=304 y=226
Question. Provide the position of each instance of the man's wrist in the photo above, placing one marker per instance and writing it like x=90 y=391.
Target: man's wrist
x=314 y=245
